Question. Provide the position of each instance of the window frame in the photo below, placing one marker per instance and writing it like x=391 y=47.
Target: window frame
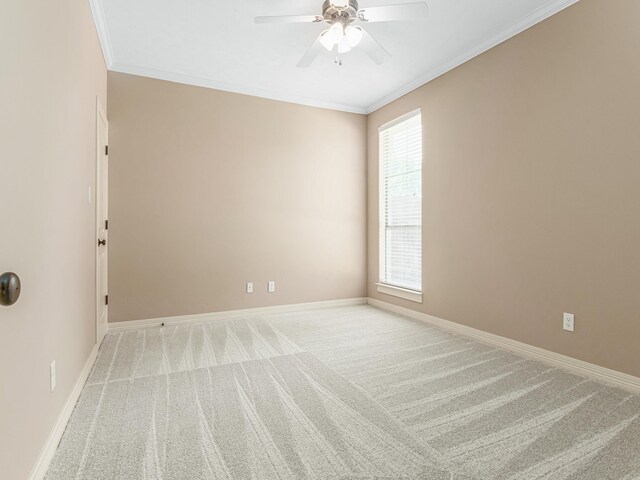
x=386 y=288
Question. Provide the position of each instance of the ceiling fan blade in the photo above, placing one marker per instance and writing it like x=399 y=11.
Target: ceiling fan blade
x=312 y=53
x=390 y=13
x=291 y=19
x=371 y=47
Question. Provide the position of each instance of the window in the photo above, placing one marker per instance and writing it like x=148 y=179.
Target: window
x=401 y=207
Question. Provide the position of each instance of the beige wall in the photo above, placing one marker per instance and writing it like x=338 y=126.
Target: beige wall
x=531 y=201
x=532 y=187
x=50 y=74
x=209 y=190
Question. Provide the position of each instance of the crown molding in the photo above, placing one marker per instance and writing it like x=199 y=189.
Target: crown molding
x=547 y=10
x=542 y=13
x=233 y=88
x=103 y=33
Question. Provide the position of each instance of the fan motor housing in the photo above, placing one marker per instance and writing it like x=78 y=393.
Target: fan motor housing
x=333 y=13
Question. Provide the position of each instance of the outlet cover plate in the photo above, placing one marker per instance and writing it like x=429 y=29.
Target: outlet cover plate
x=568 y=322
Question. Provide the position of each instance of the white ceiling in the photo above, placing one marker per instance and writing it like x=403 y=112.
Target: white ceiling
x=216 y=44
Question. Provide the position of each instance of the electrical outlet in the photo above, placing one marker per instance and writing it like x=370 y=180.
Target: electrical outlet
x=568 y=322
x=271 y=287
x=52 y=375
x=250 y=287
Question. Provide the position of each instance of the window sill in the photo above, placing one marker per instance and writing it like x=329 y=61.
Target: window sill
x=411 y=295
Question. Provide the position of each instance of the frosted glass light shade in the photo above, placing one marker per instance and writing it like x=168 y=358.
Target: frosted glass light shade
x=336 y=32
x=353 y=35
x=343 y=46
x=326 y=40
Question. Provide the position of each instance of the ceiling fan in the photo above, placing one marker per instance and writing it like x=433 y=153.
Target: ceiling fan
x=342 y=34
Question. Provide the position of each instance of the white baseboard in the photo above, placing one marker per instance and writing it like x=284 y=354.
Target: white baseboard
x=231 y=314
x=50 y=446
x=579 y=367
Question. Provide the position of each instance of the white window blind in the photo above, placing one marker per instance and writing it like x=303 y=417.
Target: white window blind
x=401 y=203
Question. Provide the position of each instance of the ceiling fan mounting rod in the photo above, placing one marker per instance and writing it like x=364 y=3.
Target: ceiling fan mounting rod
x=333 y=13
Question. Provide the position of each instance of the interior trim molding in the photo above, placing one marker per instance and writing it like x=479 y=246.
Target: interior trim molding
x=231 y=314
x=399 y=292
x=545 y=11
x=103 y=33
x=232 y=88
x=578 y=367
x=48 y=451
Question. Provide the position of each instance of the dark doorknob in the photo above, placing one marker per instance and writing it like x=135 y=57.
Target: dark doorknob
x=9 y=288
x=102 y=242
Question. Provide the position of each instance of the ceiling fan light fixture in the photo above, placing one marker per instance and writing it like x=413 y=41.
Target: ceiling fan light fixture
x=353 y=35
x=341 y=35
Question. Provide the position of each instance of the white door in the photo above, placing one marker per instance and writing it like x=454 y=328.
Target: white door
x=102 y=226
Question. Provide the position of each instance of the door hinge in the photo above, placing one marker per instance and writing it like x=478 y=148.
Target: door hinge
x=106 y=299
x=106 y=224
x=106 y=149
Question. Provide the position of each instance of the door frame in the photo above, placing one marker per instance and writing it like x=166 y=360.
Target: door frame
x=101 y=116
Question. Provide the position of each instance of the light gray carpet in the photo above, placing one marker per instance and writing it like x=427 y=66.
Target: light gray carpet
x=339 y=393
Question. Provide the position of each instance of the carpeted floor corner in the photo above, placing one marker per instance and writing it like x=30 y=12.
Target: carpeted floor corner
x=339 y=393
